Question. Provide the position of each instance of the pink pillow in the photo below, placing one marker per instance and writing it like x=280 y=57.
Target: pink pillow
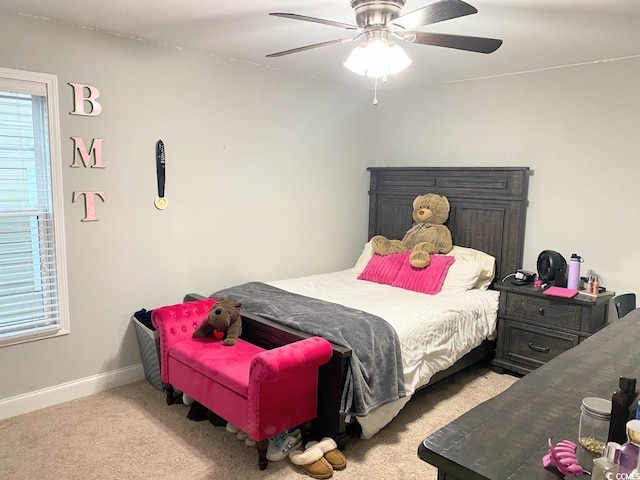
x=426 y=280
x=384 y=268
x=396 y=270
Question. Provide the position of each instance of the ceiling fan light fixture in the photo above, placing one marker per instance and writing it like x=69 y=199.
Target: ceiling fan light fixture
x=377 y=58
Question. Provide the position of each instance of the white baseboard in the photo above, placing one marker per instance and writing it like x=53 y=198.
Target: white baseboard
x=29 y=402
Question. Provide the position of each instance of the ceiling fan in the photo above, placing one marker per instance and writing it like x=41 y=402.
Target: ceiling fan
x=381 y=20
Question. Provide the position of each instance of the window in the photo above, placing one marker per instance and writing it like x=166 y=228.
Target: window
x=33 y=283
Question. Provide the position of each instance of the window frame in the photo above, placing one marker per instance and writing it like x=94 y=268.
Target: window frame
x=21 y=81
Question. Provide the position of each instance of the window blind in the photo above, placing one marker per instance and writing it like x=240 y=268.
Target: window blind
x=29 y=303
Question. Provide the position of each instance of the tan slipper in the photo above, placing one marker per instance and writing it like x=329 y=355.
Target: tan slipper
x=312 y=462
x=331 y=453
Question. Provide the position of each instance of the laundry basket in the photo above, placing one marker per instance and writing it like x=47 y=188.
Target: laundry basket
x=149 y=344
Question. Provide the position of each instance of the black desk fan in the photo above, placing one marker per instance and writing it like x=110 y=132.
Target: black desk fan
x=552 y=268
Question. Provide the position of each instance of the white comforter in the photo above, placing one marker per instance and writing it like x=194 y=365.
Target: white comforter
x=434 y=330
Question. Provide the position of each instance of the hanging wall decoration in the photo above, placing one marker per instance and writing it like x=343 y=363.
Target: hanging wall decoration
x=80 y=104
x=161 y=202
x=89 y=204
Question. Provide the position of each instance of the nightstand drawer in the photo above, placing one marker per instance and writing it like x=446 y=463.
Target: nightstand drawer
x=528 y=344
x=537 y=309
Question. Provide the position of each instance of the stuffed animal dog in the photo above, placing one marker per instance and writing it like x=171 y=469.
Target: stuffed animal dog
x=223 y=322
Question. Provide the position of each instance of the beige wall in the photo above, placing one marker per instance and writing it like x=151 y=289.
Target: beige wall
x=576 y=128
x=266 y=178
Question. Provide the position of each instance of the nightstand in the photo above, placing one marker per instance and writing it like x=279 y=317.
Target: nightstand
x=533 y=328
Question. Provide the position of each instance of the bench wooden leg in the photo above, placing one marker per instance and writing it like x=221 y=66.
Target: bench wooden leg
x=262 y=446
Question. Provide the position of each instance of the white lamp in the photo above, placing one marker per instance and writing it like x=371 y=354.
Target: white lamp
x=377 y=57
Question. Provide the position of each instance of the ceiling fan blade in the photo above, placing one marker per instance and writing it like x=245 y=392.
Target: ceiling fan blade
x=434 y=13
x=309 y=47
x=322 y=21
x=459 y=42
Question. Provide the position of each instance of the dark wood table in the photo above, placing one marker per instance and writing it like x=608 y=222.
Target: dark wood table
x=506 y=437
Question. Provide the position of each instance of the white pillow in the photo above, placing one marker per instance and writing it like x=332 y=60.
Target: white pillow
x=364 y=258
x=489 y=264
x=462 y=275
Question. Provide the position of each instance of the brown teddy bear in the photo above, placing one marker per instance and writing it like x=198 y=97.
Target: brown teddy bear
x=428 y=235
x=223 y=321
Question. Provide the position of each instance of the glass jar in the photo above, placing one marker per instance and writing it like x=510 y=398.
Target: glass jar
x=595 y=415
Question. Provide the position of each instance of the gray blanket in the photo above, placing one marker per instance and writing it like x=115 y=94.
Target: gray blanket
x=375 y=377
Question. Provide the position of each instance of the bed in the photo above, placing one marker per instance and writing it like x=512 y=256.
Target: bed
x=438 y=334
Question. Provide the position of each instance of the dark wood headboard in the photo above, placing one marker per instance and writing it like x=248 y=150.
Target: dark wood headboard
x=488 y=206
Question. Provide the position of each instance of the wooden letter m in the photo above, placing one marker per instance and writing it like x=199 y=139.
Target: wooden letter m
x=85 y=155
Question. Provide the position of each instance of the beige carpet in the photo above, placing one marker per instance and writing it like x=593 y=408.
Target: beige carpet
x=130 y=433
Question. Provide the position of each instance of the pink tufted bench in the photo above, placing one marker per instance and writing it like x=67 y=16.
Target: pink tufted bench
x=263 y=392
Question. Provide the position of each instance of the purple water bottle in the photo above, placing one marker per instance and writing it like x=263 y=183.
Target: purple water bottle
x=573 y=280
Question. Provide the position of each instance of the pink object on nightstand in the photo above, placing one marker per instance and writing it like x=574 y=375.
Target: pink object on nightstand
x=561 y=292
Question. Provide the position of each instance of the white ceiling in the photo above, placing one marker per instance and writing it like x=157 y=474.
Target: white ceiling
x=537 y=34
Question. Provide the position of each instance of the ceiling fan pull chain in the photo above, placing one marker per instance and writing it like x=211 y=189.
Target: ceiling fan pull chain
x=375 y=92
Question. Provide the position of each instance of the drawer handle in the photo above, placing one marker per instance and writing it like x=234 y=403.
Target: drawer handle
x=535 y=348
x=541 y=311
